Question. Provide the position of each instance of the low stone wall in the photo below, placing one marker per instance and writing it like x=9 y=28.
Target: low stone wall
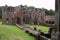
x=32 y=32
x=43 y=38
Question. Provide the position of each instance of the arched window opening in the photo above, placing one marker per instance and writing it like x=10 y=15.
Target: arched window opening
x=52 y=22
x=49 y=22
x=18 y=20
x=46 y=21
x=7 y=20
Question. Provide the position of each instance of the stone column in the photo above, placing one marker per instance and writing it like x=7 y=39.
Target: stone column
x=59 y=18
x=56 y=29
x=21 y=21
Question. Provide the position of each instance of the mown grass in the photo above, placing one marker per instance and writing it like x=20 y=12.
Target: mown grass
x=39 y=27
x=10 y=32
x=0 y=20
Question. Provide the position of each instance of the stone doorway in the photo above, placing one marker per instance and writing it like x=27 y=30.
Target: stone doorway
x=18 y=20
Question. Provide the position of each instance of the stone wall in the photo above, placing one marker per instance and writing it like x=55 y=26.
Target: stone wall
x=25 y=15
x=50 y=20
x=7 y=14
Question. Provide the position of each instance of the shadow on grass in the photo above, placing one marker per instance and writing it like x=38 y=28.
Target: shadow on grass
x=0 y=20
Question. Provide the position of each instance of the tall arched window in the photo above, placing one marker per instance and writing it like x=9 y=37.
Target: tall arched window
x=7 y=20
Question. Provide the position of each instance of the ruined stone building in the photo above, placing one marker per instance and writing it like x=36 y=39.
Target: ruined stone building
x=22 y=14
x=50 y=20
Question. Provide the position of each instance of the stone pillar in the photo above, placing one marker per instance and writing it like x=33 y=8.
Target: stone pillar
x=55 y=33
x=59 y=18
x=21 y=21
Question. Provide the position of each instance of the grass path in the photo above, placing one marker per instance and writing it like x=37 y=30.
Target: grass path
x=9 y=32
x=39 y=27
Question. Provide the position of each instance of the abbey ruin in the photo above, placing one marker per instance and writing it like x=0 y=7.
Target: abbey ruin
x=22 y=14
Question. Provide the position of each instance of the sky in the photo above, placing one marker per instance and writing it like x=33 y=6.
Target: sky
x=48 y=4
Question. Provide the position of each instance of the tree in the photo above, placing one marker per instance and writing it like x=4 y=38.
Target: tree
x=0 y=12
x=31 y=7
x=50 y=12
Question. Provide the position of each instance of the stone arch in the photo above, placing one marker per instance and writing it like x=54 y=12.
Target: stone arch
x=49 y=22
x=52 y=22
x=46 y=21
x=7 y=20
x=18 y=20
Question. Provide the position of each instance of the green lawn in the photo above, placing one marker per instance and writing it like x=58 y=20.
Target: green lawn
x=39 y=27
x=0 y=20
x=9 y=32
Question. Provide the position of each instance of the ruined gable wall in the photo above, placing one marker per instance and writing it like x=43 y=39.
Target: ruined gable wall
x=7 y=14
